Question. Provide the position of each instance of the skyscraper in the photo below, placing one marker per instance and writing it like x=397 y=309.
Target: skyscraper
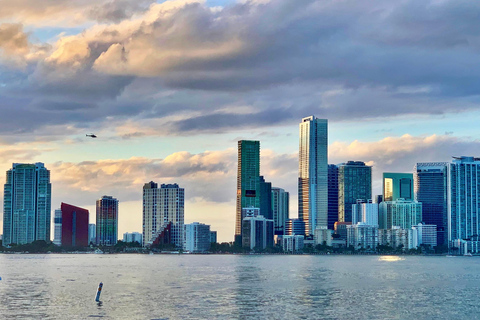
x=280 y=208
x=354 y=183
x=463 y=208
x=27 y=204
x=265 y=198
x=162 y=206
x=197 y=237
x=313 y=174
x=430 y=181
x=107 y=221
x=397 y=185
x=400 y=213
x=332 y=195
x=248 y=181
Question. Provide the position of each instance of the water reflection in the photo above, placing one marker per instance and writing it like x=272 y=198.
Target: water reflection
x=391 y=258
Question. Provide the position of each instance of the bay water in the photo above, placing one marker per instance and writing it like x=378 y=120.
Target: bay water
x=138 y=286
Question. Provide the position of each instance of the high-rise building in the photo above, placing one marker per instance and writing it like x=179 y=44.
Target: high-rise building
x=74 y=226
x=162 y=206
x=332 y=195
x=265 y=189
x=397 y=185
x=366 y=212
x=213 y=236
x=400 y=213
x=425 y=234
x=57 y=223
x=431 y=190
x=292 y=243
x=394 y=237
x=197 y=237
x=313 y=174
x=27 y=204
x=92 y=233
x=463 y=205
x=257 y=232
x=354 y=183
x=107 y=221
x=280 y=208
x=248 y=181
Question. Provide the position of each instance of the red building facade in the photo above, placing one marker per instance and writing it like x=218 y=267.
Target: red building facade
x=74 y=226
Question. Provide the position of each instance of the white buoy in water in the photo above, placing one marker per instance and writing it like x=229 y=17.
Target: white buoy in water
x=99 y=290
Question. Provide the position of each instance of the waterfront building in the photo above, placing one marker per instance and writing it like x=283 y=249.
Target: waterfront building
x=425 y=234
x=213 y=236
x=248 y=181
x=378 y=198
x=295 y=227
x=332 y=195
x=463 y=208
x=401 y=213
x=313 y=174
x=258 y=232
x=354 y=182
x=265 y=189
x=133 y=237
x=57 y=224
x=107 y=221
x=197 y=237
x=160 y=207
x=280 y=209
x=92 y=233
x=27 y=204
x=395 y=237
x=74 y=221
x=366 y=212
x=323 y=236
x=362 y=236
x=397 y=185
x=430 y=181
x=292 y=243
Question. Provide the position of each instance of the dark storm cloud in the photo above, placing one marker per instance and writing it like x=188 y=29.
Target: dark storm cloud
x=284 y=59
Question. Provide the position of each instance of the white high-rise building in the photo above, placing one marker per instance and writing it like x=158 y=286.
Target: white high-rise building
x=313 y=174
x=366 y=212
x=425 y=234
x=197 y=237
x=257 y=232
x=162 y=206
x=57 y=233
x=362 y=236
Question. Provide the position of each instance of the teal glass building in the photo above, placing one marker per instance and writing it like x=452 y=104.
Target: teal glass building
x=398 y=186
x=248 y=181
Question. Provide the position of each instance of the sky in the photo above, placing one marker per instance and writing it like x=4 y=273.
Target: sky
x=169 y=87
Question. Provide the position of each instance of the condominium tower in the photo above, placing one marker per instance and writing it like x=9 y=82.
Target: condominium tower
x=280 y=208
x=397 y=185
x=107 y=221
x=27 y=204
x=162 y=206
x=248 y=181
x=313 y=174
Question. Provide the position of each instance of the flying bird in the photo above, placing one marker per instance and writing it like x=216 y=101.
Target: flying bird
x=91 y=135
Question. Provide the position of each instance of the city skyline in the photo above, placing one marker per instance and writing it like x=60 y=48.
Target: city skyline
x=394 y=95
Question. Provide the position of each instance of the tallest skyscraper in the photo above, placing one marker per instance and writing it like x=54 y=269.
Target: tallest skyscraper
x=313 y=174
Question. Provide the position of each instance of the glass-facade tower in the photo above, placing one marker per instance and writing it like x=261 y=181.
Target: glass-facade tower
x=27 y=204
x=397 y=185
x=463 y=206
x=430 y=181
x=354 y=183
x=313 y=174
x=280 y=209
x=248 y=181
x=107 y=221
x=332 y=195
